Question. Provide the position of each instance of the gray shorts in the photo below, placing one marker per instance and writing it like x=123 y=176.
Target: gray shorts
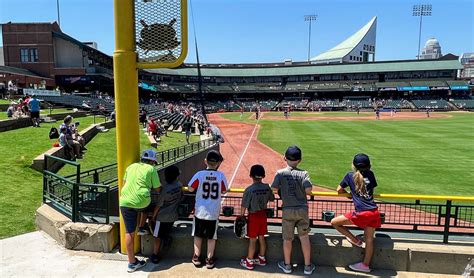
x=295 y=218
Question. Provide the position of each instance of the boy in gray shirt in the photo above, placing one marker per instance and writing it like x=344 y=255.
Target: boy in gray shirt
x=166 y=210
x=293 y=185
x=255 y=200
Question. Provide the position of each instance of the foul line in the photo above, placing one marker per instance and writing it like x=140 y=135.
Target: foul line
x=243 y=153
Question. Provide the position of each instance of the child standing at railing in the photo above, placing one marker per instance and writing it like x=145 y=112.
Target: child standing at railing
x=255 y=199
x=209 y=185
x=293 y=184
x=366 y=215
x=166 y=210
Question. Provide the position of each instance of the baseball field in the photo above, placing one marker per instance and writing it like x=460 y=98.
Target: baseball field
x=410 y=153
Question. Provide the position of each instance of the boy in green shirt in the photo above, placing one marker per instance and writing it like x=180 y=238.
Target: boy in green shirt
x=140 y=178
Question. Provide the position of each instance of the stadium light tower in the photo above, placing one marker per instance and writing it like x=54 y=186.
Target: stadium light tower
x=57 y=9
x=310 y=18
x=421 y=11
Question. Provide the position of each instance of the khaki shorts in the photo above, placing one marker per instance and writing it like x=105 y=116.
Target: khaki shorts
x=295 y=218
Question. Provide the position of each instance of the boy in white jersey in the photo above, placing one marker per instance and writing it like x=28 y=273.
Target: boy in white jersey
x=209 y=186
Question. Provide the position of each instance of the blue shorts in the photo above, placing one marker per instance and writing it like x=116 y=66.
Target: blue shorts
x=130 y=217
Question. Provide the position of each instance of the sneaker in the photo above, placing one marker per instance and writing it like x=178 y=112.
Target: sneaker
x=136 y=265
x=196 y=261
x=285 y=267
x=359 y=243
x=210 y=263
x=308 y=269
x=142 y=231
x=155 y=259
x=361 y=267
x=248 y=264
x=261 y=261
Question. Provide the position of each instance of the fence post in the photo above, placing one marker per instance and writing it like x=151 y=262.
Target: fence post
x=75 y=193
x=95 y=176
x=74 y=202
x=107 y=212
x=447 y=220
x=45 y=167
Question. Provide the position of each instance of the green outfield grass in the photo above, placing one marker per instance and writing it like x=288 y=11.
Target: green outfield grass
x=426 y=156
x=21 y=186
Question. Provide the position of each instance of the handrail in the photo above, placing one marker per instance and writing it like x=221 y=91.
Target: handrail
x=379 y=196
x=73 y=163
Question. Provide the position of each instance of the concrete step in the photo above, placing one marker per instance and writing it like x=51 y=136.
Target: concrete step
x=333 y=251
x=38 y=250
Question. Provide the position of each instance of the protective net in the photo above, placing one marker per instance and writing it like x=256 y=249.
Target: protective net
x=158 y=30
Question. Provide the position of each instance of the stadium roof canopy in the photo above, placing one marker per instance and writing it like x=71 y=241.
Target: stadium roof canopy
x=375 y=67
x=362 y=41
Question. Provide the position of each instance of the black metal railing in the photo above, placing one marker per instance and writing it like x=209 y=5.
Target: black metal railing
x=418 y=216
x=86 y=196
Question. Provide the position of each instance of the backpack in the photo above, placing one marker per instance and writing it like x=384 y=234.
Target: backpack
x=53 y=133
x=240 y=227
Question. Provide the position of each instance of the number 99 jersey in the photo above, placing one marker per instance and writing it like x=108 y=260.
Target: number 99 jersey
x=209 y=186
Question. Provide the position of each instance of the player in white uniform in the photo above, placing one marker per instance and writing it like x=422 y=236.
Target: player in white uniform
x=209 y=186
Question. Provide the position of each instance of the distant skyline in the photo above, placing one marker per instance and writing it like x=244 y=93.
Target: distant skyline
x=271 y=31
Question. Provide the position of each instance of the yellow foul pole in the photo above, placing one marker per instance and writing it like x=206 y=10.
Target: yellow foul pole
x=126 y=96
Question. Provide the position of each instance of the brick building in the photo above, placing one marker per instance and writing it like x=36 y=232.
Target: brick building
x=41 y=55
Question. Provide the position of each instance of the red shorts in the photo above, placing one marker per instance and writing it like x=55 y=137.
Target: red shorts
x=362 y=219
x=257 y=224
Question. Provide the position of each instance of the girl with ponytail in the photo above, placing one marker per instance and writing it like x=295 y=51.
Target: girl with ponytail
x=361 y=182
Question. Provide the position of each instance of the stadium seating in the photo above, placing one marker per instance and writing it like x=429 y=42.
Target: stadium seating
x=439 y=104
x=467 y=103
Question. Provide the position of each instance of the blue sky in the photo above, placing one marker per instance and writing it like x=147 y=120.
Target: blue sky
x=246 y=31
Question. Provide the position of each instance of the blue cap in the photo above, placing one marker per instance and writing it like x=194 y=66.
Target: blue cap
x=149 y=155
x=361 y=161
x=293 y=153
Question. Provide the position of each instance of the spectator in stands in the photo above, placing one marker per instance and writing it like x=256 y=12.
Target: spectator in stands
x=73 y=132
x=187 y=128
x=142 y=117
x=255 y=199
x=362 y=183
x=24 y=104
x=166 y=210
x=210 y=185
x=152 y=128
x=140 y=179
x=34 y=107
x=165 y=125
x=10 y=110
x=67 y=143
x=293 y=184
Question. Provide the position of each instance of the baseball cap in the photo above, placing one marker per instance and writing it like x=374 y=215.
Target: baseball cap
x=257 y=171
x=293 y=153
x=361 y=161
x=149 y=155
x=171 y=173
x=214 y=156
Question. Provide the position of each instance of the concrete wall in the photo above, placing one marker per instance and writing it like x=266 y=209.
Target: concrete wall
x=12 y=124
x=77 y=236
x=328 y=251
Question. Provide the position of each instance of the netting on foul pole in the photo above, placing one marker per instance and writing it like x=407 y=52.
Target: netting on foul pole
x=160 y=32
